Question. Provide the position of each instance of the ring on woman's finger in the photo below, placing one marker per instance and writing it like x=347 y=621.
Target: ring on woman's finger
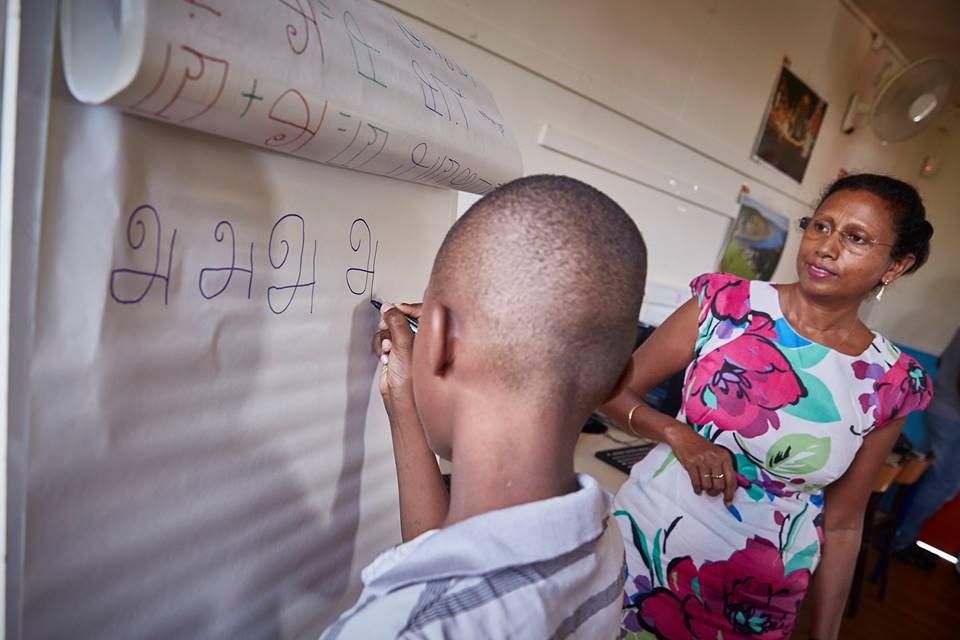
x=717 y=476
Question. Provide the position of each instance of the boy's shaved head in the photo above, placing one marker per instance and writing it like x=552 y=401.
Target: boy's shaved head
x=549 y=274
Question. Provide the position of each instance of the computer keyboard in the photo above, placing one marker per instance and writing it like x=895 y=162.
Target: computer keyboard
x=625 y=457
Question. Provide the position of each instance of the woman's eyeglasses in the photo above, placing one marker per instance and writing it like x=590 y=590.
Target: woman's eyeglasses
x=855 y=242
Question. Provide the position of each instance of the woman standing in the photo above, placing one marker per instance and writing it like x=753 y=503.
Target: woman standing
x=790 y=406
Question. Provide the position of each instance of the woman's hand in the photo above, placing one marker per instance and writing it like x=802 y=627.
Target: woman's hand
x=710 y=466
x=393 y=343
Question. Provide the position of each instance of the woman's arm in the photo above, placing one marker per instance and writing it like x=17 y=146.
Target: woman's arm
x=844 y=504
x=667 y=351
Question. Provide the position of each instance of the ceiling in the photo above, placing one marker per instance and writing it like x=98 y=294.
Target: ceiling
x=919 y=28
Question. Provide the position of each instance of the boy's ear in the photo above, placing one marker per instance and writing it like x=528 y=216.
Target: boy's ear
x=622 y=382
x=439 y=344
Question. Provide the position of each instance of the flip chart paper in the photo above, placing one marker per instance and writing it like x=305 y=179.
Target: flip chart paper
x=335 y=81
x=208 y=456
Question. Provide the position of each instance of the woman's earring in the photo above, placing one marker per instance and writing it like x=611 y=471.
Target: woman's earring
x=882 y=289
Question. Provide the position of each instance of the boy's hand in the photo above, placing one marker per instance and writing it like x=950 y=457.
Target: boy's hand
x=394 y=344
x=424 y=500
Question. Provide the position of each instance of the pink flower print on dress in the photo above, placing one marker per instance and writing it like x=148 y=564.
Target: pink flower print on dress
x=902 y=389
x=663 y=609
x=763 y=326
x=740 y=385
x=863 y=371
x=745 y=596
x=913 y=392
x=727 y=297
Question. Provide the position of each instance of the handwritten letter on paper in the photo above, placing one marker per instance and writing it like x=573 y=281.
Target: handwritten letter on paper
x=343 y=83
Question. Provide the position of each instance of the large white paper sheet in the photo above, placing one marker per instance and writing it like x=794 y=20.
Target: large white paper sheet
x=341 y=82
x=209 y=456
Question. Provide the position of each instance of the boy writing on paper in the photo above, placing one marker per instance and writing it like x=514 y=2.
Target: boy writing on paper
x=509 y=360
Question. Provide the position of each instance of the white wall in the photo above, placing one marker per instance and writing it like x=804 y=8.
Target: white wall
x=923 y=310
x=659 y=104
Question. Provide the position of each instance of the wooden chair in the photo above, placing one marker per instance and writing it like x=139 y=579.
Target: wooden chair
x=903 y=472
x=884 y=480
x=910 y=473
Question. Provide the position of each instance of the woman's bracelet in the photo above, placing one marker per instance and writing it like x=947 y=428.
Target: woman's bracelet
x=630 y=428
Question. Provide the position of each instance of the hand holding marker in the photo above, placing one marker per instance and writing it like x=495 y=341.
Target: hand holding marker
x=410 y=321
x=399 y=355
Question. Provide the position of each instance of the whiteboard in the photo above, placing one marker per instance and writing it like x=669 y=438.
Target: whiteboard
x=208 y=454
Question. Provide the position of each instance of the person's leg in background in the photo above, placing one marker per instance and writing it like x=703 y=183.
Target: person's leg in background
x=938 y=486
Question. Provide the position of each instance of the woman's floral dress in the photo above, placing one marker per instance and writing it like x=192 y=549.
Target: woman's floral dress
x=793 y=413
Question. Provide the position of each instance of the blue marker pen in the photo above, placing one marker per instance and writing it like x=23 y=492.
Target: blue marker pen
x=410 y=321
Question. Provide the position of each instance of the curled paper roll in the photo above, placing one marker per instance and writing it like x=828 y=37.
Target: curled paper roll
x=338 y=82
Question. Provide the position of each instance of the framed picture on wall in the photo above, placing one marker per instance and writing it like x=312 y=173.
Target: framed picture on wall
x=791 y=126
x=756 y=242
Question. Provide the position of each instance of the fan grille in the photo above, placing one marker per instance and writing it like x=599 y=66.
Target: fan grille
x=891 y=119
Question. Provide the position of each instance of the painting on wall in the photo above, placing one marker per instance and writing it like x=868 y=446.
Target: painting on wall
x=756 y=242
x=791 y=126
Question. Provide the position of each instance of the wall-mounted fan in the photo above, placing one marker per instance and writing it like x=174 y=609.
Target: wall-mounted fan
x=907 y=103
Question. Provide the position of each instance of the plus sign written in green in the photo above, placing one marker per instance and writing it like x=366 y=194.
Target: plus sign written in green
x=251 y=96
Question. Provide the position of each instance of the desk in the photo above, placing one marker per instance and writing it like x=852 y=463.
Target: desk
x=585 y=462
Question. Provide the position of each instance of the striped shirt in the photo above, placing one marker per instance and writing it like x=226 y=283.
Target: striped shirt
x=546 y=569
